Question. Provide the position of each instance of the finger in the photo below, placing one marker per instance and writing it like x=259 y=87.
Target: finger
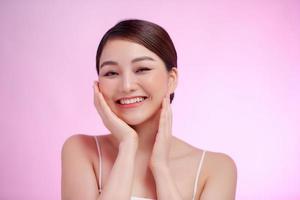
x=101 y=102
x=162 y=120
x=99 y=96
x=168 y=110
x=168 y=116
x=161 y=117
x=96 y=101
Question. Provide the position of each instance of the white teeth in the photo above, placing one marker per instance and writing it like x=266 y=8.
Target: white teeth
x=134 y=100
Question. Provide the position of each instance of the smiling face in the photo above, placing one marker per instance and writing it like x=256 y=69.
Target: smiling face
x=134 y=80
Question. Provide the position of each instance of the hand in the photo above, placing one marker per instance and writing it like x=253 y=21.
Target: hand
x=120 y=130
x=161 y=148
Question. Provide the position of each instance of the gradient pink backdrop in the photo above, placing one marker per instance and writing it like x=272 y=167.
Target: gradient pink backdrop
x=238 y=93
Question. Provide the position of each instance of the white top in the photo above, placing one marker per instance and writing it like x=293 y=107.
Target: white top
x=142 y=198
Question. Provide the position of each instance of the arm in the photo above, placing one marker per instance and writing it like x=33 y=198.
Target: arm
x=78 y=177
x=221 y=183
x=78 y=180
x=165 y=185
x=119 y=184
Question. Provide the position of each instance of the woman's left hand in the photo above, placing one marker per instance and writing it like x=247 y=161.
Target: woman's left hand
x=161 y=148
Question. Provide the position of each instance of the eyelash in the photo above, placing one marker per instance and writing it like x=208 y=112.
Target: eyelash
x=112 y=73
x=142 y=69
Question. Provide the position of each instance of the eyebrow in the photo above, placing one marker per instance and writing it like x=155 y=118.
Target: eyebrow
x=109 y=62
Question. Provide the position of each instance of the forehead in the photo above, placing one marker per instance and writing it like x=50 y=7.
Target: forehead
x=125 y=50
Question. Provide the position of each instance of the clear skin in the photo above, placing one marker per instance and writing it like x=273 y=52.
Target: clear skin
x=150 y=160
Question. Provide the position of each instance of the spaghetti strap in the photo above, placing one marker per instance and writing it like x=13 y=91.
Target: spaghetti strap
x=197 y=175
x=100 y=163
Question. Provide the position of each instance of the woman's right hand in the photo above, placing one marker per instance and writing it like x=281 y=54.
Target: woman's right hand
x=120 y=130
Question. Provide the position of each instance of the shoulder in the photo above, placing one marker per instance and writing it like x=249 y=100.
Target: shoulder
x=218 y=163
x=78 y=157
x=76 y=141
x=78 y=145
x=220 y=176
x=217 y=158
x=213 y=160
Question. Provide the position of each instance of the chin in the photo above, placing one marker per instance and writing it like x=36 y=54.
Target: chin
x=135 y=120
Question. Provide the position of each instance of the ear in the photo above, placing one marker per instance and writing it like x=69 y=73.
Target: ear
x=173 y=79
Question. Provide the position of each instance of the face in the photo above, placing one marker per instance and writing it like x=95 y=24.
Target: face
x=134 y=80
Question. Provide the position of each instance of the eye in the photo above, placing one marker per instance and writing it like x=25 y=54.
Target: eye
x=143 y=69
x=110 y=73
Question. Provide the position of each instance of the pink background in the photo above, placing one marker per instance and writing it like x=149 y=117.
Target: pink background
x=238 y=93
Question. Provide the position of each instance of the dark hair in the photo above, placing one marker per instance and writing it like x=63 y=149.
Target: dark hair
x=148 y=34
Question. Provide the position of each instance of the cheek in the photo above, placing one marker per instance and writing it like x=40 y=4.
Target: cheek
x=159 y=82
x=157 y=86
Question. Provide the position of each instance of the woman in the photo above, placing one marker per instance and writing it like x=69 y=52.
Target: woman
x=136 y=64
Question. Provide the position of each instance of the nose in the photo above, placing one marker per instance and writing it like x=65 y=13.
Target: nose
x=128 y=83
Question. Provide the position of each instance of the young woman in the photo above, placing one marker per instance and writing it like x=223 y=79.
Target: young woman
x=136 y=64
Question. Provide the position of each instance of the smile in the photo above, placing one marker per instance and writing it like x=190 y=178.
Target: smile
x=129 y=102
x=133 y=100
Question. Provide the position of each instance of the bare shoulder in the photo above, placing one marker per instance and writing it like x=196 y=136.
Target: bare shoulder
x=78 y=144
x=220 y=177
x=213 y=160
x=78 y=179
x=220 y=163
x=77 y=138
